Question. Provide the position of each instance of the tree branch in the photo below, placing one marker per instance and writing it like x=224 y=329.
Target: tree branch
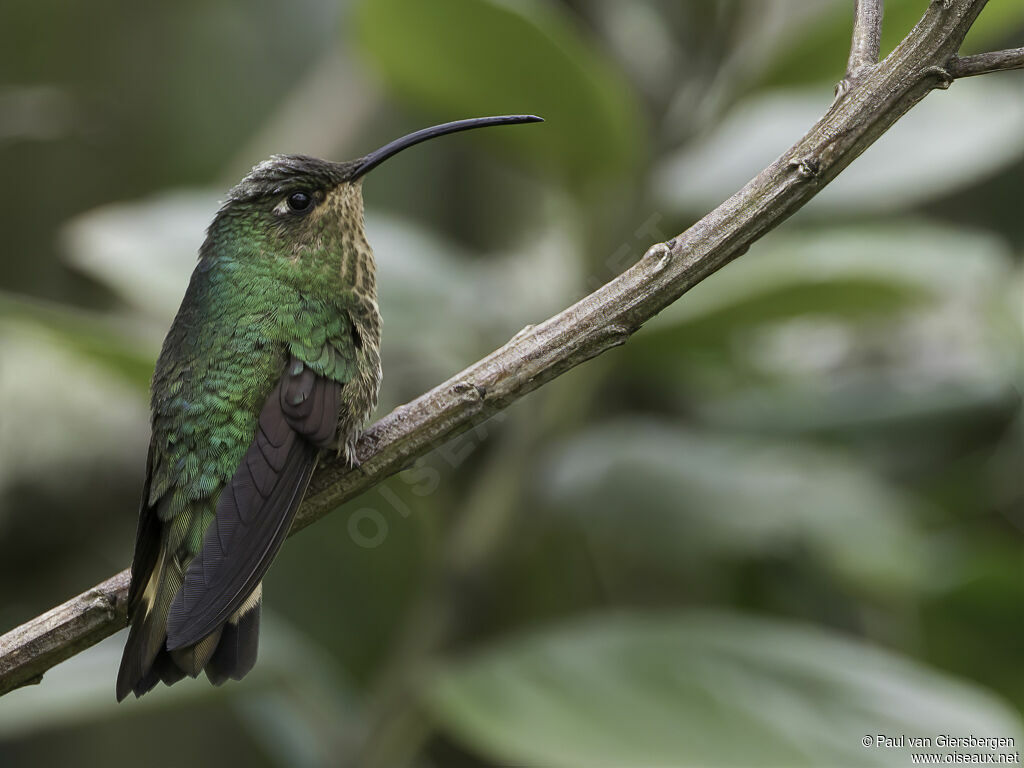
x=983 y=63
x=602 y=320
x=867 y=36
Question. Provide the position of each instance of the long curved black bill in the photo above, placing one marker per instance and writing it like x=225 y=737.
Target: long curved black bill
x=377 y=157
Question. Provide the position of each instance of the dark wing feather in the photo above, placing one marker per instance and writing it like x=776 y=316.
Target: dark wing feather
x=147 y=541
x=256 y=508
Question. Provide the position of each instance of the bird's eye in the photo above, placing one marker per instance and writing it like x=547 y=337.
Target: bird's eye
x=300 y=201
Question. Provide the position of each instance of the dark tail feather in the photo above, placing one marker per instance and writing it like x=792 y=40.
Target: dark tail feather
x=130 y=673
x=164 y=669
x=145 y=661
x=193 y=658
x=169 y=672
x=228 y=653
x=239 y=643
x=145 y=643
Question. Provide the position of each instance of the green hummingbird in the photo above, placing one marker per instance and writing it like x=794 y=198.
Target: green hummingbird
x=272 y=359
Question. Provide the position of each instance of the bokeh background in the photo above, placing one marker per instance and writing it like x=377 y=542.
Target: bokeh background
x=788 y=513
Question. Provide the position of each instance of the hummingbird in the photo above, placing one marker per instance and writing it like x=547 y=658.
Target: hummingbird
x=272 y=360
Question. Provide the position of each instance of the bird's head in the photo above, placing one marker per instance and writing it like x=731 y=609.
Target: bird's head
x=300 y=209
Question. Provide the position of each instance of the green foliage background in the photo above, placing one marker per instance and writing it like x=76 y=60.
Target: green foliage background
x=787 y=514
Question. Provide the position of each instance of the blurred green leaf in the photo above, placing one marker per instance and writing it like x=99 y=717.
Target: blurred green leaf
x=502 y=58
x=99 y=338
x=420 y=271
x=144 y=250
x=794 y=336
x=644 y=490
x=864 y=405
x=847 y=273
x=818 y=50
x=975 y=626
x=68 y=411
x=951 y=139
x=700 y=690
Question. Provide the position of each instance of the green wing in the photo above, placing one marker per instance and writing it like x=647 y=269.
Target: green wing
x=256 y=508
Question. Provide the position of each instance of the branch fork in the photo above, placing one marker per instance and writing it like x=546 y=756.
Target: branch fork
x=867 y=37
